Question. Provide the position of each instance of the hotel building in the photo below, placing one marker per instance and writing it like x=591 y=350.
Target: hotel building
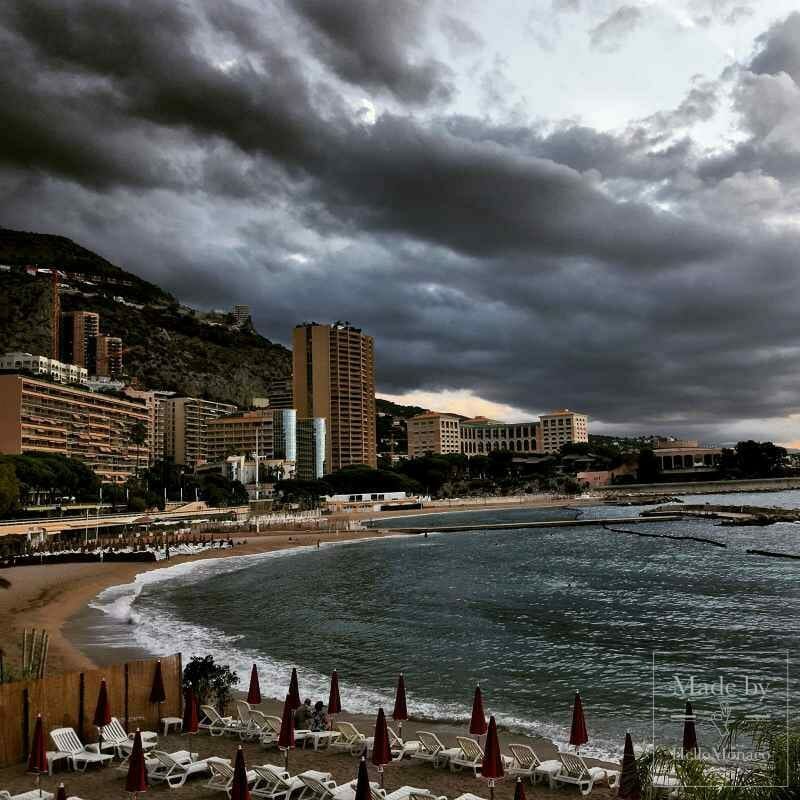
x=41 y=365
x=186 y=428
x=334 y=379
x=562 y=427
x=480 y=435
x=43 y=417
x=433 y=433
x=310 y=463
x=273 y=431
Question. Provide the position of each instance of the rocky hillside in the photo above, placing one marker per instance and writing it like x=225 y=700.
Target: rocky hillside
x=167 y=345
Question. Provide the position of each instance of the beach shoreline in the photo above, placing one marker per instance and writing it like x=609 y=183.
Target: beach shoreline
x=52 y=596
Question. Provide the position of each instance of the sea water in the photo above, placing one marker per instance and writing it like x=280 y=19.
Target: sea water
x=529 y=614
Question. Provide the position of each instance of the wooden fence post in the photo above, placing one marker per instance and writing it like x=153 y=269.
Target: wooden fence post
x=26 y=724
x=127 y=720
x=81 y=698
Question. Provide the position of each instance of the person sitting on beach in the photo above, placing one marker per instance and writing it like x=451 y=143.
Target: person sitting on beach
x=302 y=716
x=319 y=722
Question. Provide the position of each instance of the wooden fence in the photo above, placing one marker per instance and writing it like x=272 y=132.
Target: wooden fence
x=69 y=699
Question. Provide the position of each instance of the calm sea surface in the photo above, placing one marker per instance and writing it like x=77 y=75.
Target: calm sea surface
x=634 y=622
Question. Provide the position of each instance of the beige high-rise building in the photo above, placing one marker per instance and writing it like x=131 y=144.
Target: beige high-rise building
x=107 y=356
x=561 y=427
x=235 y=435
x=433 y=433
x=186 y=428
x=334 y=378
x=78 y=331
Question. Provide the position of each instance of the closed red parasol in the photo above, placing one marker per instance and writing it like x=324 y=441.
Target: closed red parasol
x=477 y=725
x=37 y=760
x=157 y=693
x=334 y=701
x=294 y=691
x=363 y=789
x=286 y=736
x=492 y=765
x=381 y=751
x=630 y=787
x=689 y=731
x=400 y=712
x=239 y=787
x=191 y=723
x=136 y=780
x=61 y=794
x=102 y=711
x=578 y=734
x=254 y=692
x=519 y=790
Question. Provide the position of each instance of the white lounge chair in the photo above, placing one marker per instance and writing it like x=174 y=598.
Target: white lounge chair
x=222 y=776
x=114 y=738
x=175 y=768
x=275 y=783
x=471 y=756
x=409 y=793
x=328 y=790
x=575 y=772
x=272 y=731
x=216 y=724
x=31 y=795
x=469 y=796
x=400 y=748
x=352 y=740
x=526 y=764
x=432 y=750
x=67 y=741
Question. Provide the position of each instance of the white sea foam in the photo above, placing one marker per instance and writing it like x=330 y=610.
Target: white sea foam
x=153 y=632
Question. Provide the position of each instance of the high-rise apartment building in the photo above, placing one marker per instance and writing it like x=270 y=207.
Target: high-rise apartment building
x=78 y=330
x=43 y=417
x=271 y=430
x=186 y=428
x=280 y=393
x=311 y=448
x=155 y=402
x=105 y=354
x=334 y=378
x=562 y=427
x=433 y=433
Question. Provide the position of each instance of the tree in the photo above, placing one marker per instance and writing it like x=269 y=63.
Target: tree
x=138 y=436
x=759 y=459
x=210 y=680
x=9 y=489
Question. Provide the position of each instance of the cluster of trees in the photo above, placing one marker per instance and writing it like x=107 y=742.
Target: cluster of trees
x=45 y=478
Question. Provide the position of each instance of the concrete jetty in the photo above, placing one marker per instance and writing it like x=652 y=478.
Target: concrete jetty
x=553 y=523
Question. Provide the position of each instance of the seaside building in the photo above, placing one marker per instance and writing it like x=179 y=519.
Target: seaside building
x=280 y=393
x=432 y=432
x=41 y=365
x=185 y=428
x=334 y=379
x=481 y=435
x=78 y=329
x=155 y=402
x=311 y=449
x=562 y=427
x=268 y=432
x=686 y=456
x=105 y=354
x=43 y=417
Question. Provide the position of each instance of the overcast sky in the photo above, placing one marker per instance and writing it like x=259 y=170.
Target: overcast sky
x=529 y=203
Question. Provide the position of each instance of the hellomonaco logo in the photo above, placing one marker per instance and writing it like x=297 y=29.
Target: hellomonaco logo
x=720 y=720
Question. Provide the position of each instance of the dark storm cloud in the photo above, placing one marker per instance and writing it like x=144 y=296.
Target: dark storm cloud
x=779 y=51
x=213 y=148
x=376 y=44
